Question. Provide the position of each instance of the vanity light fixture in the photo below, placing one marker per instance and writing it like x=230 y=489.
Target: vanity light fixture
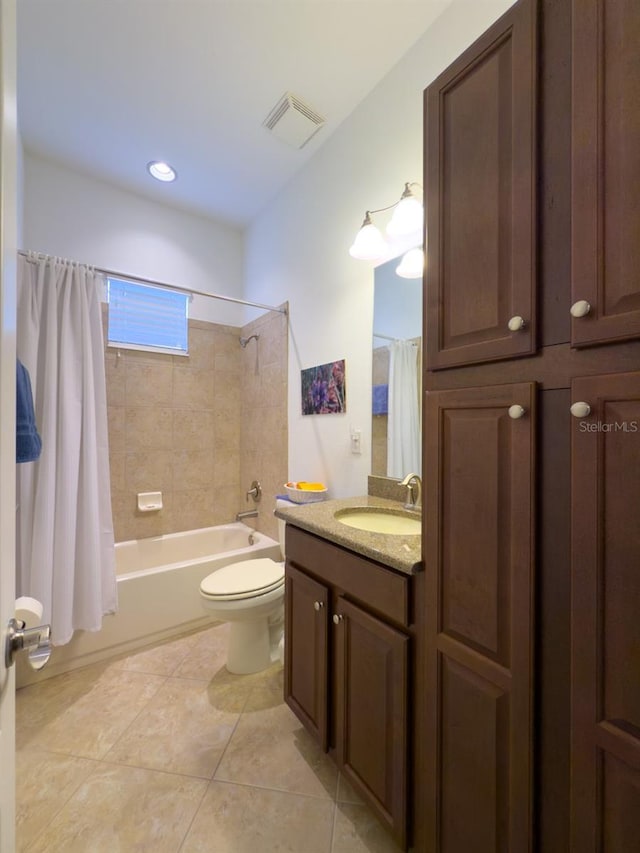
x=412 y=264
x=161 y=171
x=370 y=245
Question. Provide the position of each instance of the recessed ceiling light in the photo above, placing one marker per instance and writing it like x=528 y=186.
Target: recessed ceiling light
x=161 y=171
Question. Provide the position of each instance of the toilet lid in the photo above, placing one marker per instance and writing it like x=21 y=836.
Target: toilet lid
x=246 y=579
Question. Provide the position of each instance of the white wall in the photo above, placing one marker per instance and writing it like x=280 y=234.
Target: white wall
x=297 y=248
x=78 y=217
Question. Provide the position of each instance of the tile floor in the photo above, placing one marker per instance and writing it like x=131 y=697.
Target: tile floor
x=164 y=750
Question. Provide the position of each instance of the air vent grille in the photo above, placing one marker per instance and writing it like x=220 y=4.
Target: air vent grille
x=292 y=121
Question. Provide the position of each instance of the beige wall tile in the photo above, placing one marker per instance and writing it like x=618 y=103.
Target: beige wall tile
x=193 y=388
x=149 y=471
x=201 y=348
x=192 y=469
x=116 y=427
x=148 y=428
x=192 y=429
x=199 y=429
x=148 y=383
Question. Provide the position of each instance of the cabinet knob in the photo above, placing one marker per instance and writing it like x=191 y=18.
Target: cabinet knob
x=516 y=411
x=318 y=605
x=516 y=323
x=580 y=409
x=337 y=618
x=580 y=308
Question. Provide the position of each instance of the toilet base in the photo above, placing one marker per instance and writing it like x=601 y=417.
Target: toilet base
x=253 y=643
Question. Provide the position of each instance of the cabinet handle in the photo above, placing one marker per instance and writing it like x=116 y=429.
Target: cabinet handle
x=580 y=308
x=318 y=605
x=516 y=323
x=337 y=618
x=516 y=411
x=580 y=410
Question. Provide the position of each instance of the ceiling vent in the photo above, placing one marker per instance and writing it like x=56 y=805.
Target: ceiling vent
x=292 y=121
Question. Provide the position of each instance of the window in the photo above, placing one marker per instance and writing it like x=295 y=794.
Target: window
x=143 y=316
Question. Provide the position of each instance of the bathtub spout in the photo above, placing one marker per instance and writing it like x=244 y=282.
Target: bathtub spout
x=250 y=513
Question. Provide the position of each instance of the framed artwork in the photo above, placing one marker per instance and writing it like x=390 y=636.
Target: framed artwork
x=324 y=390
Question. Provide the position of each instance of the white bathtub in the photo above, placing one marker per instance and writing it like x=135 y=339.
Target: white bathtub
x=158 y=591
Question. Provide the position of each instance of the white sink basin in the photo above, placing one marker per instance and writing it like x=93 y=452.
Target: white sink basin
x=379 y=521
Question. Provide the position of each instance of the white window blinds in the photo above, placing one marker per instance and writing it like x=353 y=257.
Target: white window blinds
x=142 y=316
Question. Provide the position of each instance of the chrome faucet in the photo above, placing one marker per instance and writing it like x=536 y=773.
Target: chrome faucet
x=250 y=513
x=414 y=498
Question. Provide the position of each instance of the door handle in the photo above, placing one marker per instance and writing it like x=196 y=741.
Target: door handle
x=37 y=641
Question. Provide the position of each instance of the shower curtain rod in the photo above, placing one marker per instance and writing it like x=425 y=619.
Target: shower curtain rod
x=127 y=277
x=386 y=337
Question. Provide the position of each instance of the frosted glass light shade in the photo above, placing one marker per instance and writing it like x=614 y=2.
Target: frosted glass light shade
x=407 y=218
x=412 y=264
x=369 y=244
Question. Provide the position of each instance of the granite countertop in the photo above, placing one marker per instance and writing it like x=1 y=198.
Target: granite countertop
x=403 y=553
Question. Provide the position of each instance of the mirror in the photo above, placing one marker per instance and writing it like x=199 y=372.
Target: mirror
x=397 y=363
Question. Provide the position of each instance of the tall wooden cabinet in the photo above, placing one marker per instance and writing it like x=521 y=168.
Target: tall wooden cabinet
x=531 y=708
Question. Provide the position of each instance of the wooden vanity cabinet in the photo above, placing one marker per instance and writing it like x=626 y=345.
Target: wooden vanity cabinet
x=347 y=667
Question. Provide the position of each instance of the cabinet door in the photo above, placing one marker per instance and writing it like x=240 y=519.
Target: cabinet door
x=480 y=197
x=605 y=617
x=606 y=169
x=479 y=624
x=372 y=722
x=306 y=651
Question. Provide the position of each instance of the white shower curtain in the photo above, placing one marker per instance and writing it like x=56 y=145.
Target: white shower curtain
x=403 y=430
x=65 y=544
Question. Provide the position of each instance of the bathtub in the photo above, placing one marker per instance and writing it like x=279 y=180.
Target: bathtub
x=158 y=591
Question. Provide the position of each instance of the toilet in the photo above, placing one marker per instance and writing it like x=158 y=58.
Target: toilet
x=250 y=596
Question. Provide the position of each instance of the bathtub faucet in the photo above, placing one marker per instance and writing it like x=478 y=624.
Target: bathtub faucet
x=250 y=513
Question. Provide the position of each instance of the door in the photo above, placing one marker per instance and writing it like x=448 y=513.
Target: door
x=306 y=651
x=605 y=607
x=371 y=660
x=8 y=247
x=479 y=635
x=605 y=286
x=480 y=171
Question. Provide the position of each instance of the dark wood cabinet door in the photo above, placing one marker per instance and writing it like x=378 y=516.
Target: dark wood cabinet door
x=605 y=690
x=606 y=169
x=306 y=653
x=480 y=172
x=479 y=562
x=372 y=712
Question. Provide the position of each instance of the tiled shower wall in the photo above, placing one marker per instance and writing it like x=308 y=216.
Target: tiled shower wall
x=176 y=426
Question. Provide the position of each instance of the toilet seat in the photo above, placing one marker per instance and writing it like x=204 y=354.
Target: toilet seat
x=243 y=580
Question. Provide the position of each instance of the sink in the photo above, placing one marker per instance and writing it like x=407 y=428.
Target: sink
x=380 y=521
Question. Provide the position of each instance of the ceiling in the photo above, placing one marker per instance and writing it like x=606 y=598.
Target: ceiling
x=107 y=85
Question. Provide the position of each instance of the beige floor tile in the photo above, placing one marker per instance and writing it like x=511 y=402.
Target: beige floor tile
x=180 y=731
x=160 y=659
x=270 y=748
x=356 y=830
x=44 y=783
x=82 y=713
x=124 y=809
x=239 y=819
x=207 y=654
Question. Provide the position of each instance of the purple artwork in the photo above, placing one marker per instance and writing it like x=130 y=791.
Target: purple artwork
x=324 y=391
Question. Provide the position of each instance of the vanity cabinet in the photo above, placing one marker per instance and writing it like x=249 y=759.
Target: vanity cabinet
x=480 y=172
x=347 y=655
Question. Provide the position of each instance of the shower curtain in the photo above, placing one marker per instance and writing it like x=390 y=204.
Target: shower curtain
x=65 y=545
x=403 y=431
